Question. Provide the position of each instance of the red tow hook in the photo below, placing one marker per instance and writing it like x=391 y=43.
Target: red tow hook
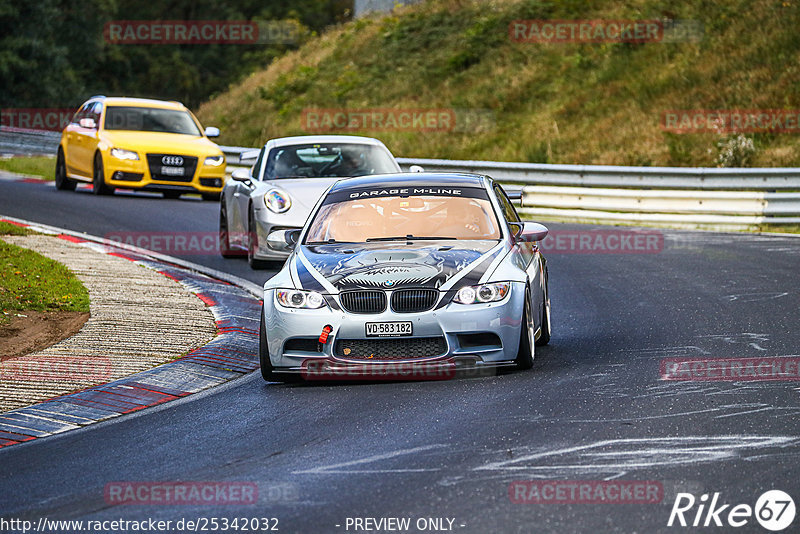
x=323 y=337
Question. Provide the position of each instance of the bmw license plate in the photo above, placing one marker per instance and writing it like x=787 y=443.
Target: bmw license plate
x=172 y=171
x=389 y=329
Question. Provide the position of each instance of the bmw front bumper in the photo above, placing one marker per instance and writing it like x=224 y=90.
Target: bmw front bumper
x=471 y=335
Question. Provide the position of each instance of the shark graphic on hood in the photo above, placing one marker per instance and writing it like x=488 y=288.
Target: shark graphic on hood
x=391 y=266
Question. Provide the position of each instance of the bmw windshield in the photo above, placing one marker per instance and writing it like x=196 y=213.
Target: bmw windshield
x=404 y=214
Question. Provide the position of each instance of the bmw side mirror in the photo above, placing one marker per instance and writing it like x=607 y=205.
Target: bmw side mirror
x=211 y=131
x=283 y=240
x=416 y=168
x=530 y=232
x=241 y=175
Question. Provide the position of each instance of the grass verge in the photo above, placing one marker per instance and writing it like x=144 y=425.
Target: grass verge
x=29 y=281
x=585 y=103
x=41 y=166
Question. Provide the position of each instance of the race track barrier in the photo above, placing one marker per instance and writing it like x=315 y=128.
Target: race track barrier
x=685 y=197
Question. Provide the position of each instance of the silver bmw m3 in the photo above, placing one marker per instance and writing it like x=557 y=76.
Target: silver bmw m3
x=288 y=177
x=398 y=273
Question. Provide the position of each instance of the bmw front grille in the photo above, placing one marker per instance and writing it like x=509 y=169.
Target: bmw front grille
x=402 y=300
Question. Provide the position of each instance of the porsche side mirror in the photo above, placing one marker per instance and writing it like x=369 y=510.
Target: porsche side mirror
x=241 y=175
x=211 y=131
x=530 y=231
x=283 y=240
x=416 y=168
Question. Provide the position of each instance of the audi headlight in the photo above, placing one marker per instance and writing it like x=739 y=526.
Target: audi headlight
x=297 y=298
x=483 y=293
x=120 y=153
x=277 y=200
x=214 y=161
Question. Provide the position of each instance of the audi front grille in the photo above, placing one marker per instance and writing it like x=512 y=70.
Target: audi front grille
x=157 y=163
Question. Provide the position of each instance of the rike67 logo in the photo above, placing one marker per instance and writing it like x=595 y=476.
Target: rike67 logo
x=774 y=510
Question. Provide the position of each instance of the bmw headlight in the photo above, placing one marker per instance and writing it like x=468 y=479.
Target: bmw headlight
x=277 y=200
x=483 y=293
x=297 y=298
x=120 y=153
x=214 y=161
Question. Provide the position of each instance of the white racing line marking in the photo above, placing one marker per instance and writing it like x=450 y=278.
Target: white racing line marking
x=755 y=297
x=337 y=468
x=619 y=456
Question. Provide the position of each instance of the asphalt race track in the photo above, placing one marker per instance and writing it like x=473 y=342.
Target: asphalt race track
x=593 y=408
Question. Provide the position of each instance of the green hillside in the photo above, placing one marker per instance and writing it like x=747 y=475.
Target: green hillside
x=589 y=103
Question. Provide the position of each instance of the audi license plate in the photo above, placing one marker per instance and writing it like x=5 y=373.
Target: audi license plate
x=389 y=329
x=172 y=171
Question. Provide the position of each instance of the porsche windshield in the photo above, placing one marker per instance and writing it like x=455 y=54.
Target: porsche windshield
x=364 y=218
x=322 y=160
x=141 y=119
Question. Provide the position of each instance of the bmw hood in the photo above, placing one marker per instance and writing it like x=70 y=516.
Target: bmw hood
x=442 y=264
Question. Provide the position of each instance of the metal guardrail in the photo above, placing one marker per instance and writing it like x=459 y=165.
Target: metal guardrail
x=28 y=142
x=694 y=197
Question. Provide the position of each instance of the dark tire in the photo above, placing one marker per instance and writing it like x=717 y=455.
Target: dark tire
x=252 y=245
x=267 y=371
x=544 y=338
x=172 y=195
x=211 y=196
x=525 y=352
x=224 y=236
x=99 y=186
x=62 y=182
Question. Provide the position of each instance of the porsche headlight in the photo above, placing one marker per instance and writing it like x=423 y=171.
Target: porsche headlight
x=121 y=153
x=297 y=298
x=277 y=201
x=483 y=293
x=214 y=161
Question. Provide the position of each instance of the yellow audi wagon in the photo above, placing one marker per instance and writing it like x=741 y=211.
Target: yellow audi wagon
x=142 y=144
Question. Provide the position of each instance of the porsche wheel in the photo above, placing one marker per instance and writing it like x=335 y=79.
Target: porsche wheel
x=252 y=245
x=526 y=344
x=224 y=235
x=99 y=186
x=62 y=182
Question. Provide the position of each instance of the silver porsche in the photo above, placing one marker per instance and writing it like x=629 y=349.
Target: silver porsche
x=395 y=275
x=288 y=177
